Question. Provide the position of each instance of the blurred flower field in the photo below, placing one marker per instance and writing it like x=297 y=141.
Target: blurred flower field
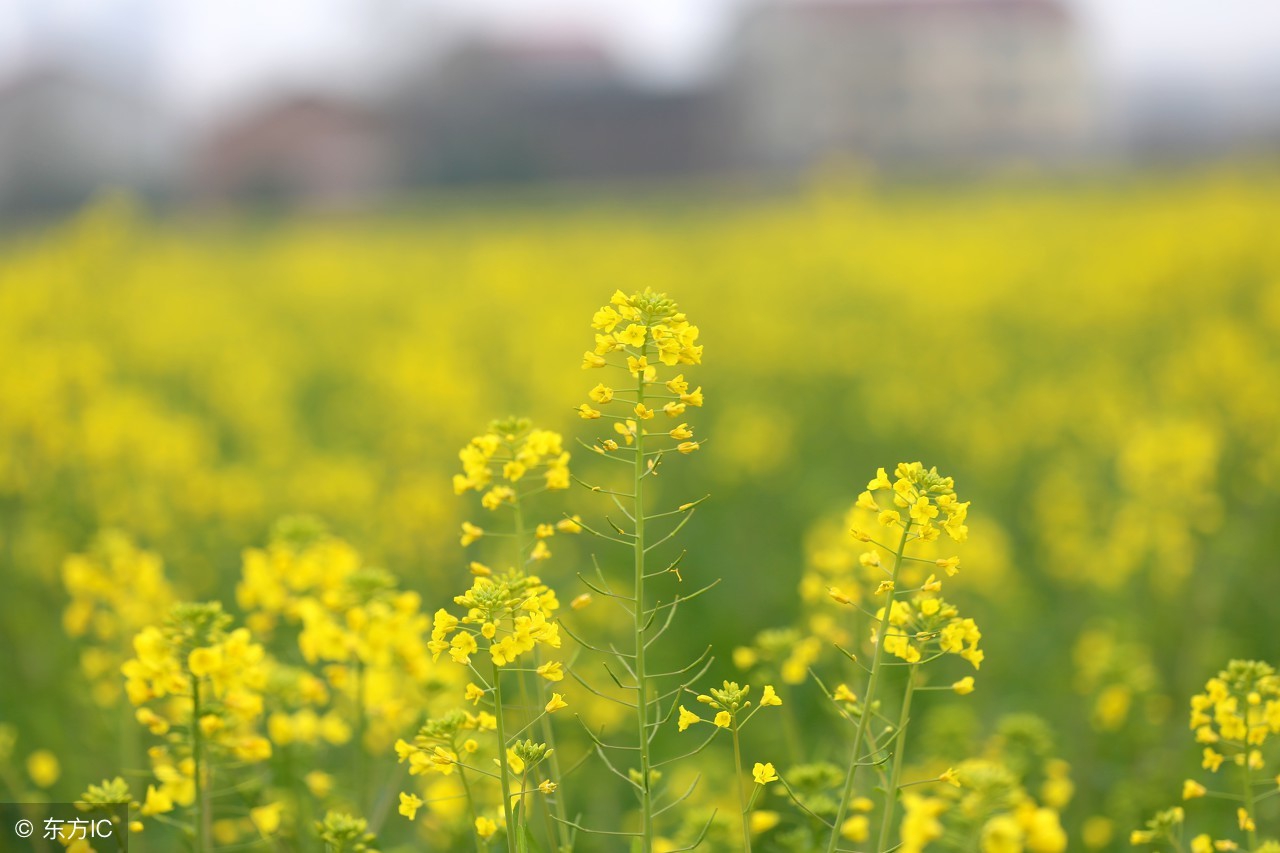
x=268 y=414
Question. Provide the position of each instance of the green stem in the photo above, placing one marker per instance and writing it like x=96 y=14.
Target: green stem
x=129 y=740
x=743 y=802
x=556 y=800
x=899 y=756
x=503 y=770
x=524 y=797
x=865 y=720
x=471 y=806
x=1247 y=772
x=555 y=803
x=642 y=684
x=362 y=723
x=197 y=759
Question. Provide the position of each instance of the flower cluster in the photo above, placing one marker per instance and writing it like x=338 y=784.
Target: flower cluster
x=918 y=496
x=439 y=743
x=733 y=711
x=644 y=330
x=989 y=803
x=116 y=590
x=299 y=716
x=301 y=562
x=730 y=703
x=786 y=653
x=1165 y=825
x=512 y=614
x=193 y=672
x=364 y=634
x=510 y=451
x=927 y=627
x=1233 y=719
x=914 y=624
x=1236 y=713
x=108 y=796
x=345 y=833
x=199 y=687
x=627 y=322
x=646 y=335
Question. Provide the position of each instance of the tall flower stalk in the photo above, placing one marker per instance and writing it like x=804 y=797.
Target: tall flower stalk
x=218 y=676
x=733 y=712
x=1235 y=716
x=914 y=625
x=510 y=615
x=643 y=334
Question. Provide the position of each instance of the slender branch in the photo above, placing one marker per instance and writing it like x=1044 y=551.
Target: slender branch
x=899 y=759
x=865 y=720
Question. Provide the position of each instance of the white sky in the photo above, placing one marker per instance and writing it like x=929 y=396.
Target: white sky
x=205 y=54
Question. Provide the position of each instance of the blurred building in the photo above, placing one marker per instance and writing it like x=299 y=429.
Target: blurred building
x=915 y=85
x=1186 y=119
x=317 y=152
x=545 y=109
x=937 y=82
x=65 y=136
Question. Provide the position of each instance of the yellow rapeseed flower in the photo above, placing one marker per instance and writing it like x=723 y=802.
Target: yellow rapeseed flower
x=43 y=768
x=409 y=805
x=764 y=773
x=687 y=718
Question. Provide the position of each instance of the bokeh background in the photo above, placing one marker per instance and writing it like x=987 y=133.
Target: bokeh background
x=264 y=260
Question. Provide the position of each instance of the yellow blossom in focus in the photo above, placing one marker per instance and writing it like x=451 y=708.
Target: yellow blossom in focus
x=632 y=336
x=409 y=805
x=763 y=773
x=687 y=718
